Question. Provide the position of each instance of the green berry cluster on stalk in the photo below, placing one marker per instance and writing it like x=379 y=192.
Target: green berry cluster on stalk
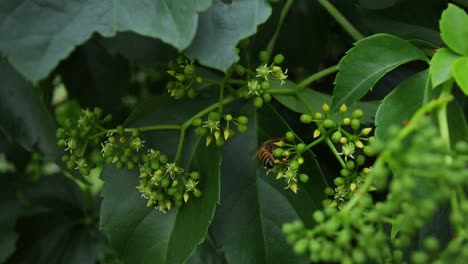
x=259 y=85
x=165 y=184
x=219 y=128
x=80 y=145
x=350 y=139
x=288 y=159
x=185 y=73
x=122 y=149
x=420 y=173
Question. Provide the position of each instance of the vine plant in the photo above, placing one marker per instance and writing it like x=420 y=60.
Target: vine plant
x=402 y=162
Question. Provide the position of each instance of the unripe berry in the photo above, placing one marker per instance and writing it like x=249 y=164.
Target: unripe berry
x=290 y=136
x=197 y=122
x=300 y=147
x=278 y=152
x=300 y=246
x=336 y=136
x=293 y=165
x=201 y=131
x=279 y=58
x=195 y=175
x=267 y=97
x=350 y=164
x=325 y=108
x=328 y=123
x=258 y=102
x=355 y=124
x=120 y=129
x=345 y=173
x=343 y=108
x=242 y=128
x=329 y=191
x=303 y=177
x=358 y=113
x=197 y=193
x=306 y=119
x=360 y=159
x=265 y=85
x=338 y=181
x=240 y=70
x=318 y=216
x=215 y=116
x=263 y=56
x=163 y=159
x=242 y=120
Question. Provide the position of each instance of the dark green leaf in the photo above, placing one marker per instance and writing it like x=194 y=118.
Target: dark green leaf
x=144 y=235
x=23 y=115
x=454 y=29
x=222 y=27
x=95 y=78
x=371 y=4
x=459 y=72
x=206 y=253
x=458 y=127
x=441 y=66
x=254 y=205
x=46 y=32
x=157 y=237
x=366 y=63
x=309 y=101
x=10 y=208
x=57 y=227
x=400 y=104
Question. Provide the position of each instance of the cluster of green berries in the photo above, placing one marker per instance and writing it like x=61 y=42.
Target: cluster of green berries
x=426 y=173
x=258 y=86
x=185 y=74
x=348 y=135
x=121 y=149
x=165 y=184
x=79 y=141
x=218 y=128
x=287 y=160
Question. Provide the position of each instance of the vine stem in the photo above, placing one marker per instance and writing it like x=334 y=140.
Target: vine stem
x=316 y=76
x=442 y=114
x=412 y=125
x=335 y=152
x=284 y=13
x=141 y=129
x=345 y=24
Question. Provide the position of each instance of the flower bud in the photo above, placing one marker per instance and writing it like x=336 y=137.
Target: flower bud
x=325 y=108
x=343 y=108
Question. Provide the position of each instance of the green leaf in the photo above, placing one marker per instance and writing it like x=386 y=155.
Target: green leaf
x=220 y=29
x=144 y=235
x=441 y=66
x=47 y=32
x=309 y=101
x=206 y=253
x=366 y=63
x=254 y=205
x=157 y=237
x=400 y=104
x=459 y=72
x=57 y=226
x=371 y=4
x=23 y=115
x=458 y=127
x=454 y=29
x=10 y=208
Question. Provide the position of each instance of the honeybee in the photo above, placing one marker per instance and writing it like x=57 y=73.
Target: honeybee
x=265 y=153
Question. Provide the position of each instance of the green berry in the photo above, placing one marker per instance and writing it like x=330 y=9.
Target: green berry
x=338 y=181
x=215 y=116
x=358 y=113
x=303 y=177
x=336 y=136
x=242 y=128
x=328 y=123
x=195 y=175
x=306 y=119
x=243 y=120
x=290 y=136
x=431 y=243
x=263 y=56
x=300 y=246
x=258 y=102
x=120 y=129
x=201 y=131
x=318 y=216
x=294 y=165
x=266 y=97
x=163 y=159
x=197 y=193
x=329 y=191
x=345 y=173
x=265 y=85
x=300 y=147
x=197 y=122
x=360 y=159
x=350 y=164
x=278 y=152
x=240 y=70
x=355 y=124
x=279 y=58
x=191 y=93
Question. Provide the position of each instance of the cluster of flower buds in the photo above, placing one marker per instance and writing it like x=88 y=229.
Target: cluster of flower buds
x=350 y=138
x=284 y=157
x=259 y=85
x=165 y=184
x=79 y=142
x=185 y=74
x=122 y=150
x=219 y=129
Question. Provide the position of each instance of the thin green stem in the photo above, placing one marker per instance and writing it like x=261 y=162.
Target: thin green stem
x=315 y=142
x=384 y=156
x=455 y=207
x=316 y=76
x=345 y=24
x=180 y=145
x=141 y=129
x=284 y=13
x=282 y=91
x=442 y=114
x=335 y=152
x=221 y=95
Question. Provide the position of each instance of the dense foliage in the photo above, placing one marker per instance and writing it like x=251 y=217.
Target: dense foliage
x=242 y=131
